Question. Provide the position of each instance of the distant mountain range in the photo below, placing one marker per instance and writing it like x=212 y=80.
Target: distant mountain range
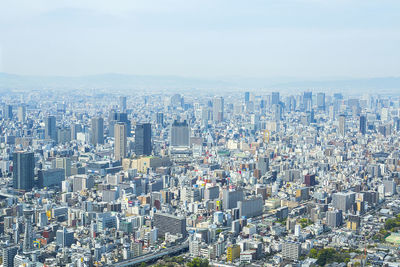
x=122 y=82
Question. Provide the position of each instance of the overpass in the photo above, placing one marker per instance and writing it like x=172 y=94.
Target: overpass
x=6 y=195
x=153 y=256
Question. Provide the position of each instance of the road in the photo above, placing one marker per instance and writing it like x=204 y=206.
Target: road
x=153 y=256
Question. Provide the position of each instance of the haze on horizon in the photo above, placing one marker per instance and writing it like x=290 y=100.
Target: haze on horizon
x=210 y=38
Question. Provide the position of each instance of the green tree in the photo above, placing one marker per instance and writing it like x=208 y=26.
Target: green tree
x=197 y=262
x=313 y=253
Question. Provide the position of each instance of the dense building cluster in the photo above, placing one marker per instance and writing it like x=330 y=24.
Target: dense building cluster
x=261 y=178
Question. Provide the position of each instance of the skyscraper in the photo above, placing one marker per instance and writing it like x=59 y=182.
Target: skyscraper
x=8 y=112
x=23 y=170
x=120 y=141
x=275 y=98
x=97 y=136
x=342 y=125
x=160 y=118
x=363 y=124
x=334 y=218
x=122 y=103
x=50 y=130
x=180 y=134
x=307 y=101
x=218 y=109
x=8 y=256
x=119 y=117
x=28 y=234
x=321 y=101
x=21 y=114
x=143 y=139
x=246 y=97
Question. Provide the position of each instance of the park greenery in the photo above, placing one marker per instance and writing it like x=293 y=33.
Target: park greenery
x=329 y=255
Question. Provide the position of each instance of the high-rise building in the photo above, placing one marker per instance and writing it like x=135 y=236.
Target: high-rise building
x=251 y=207
x=291 y=250
x=63 y=163
x=334 y=218
x=75 y=129
x=342 y=125
x=8 y=256
x=64 y=237
x=50 y=177
x=122 y=103
x=343 y=201
x=143 y=144
x=63 y=135
x=28 y=234
x=8 y=112
x=307 y=101
x=21 y=113
x=246 y=97
x=218 y=109
x=321 y=101
x=160 y=118
x=23 y=170
x=120 y=141
x=309 y=180
x=180 y=134
x=231 y=198
x=167 y=223
x=363 y=124
x=116 y=117
x=275 y=98
x=50 y=130
x=97 y=134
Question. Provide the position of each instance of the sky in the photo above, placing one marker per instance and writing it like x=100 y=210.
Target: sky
x=205 y=38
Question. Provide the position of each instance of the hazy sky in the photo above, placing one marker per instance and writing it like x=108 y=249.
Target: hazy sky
x=204 y=38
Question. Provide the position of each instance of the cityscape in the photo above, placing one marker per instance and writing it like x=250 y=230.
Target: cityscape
x=264 y=180
x=213 y=133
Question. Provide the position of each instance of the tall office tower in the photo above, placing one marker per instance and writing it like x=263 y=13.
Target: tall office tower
x=75 y=128
x=8 y=256
x=275 y=98
x=50 y=130
x=263 y=165
x=396 y=122
x=115 y=117
x=342 y=125
x=28 y=234
x=120 y=141
x=343 y=201
x=246 y=97
x=23 y=170
x=63 y=135
x=122 y=103
x=62 y=163
x=160 y=118
x=231 y=198
x=334 y=218
x=321 y=101
x=277 y=111
x=64 y=237
x=97 y=134
x=21 y=114
x=180 y=134
x=143 y=139
x=307 y=101
x=8 y=112
x=167 y=223
x=363 y=124
x=218 y=109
